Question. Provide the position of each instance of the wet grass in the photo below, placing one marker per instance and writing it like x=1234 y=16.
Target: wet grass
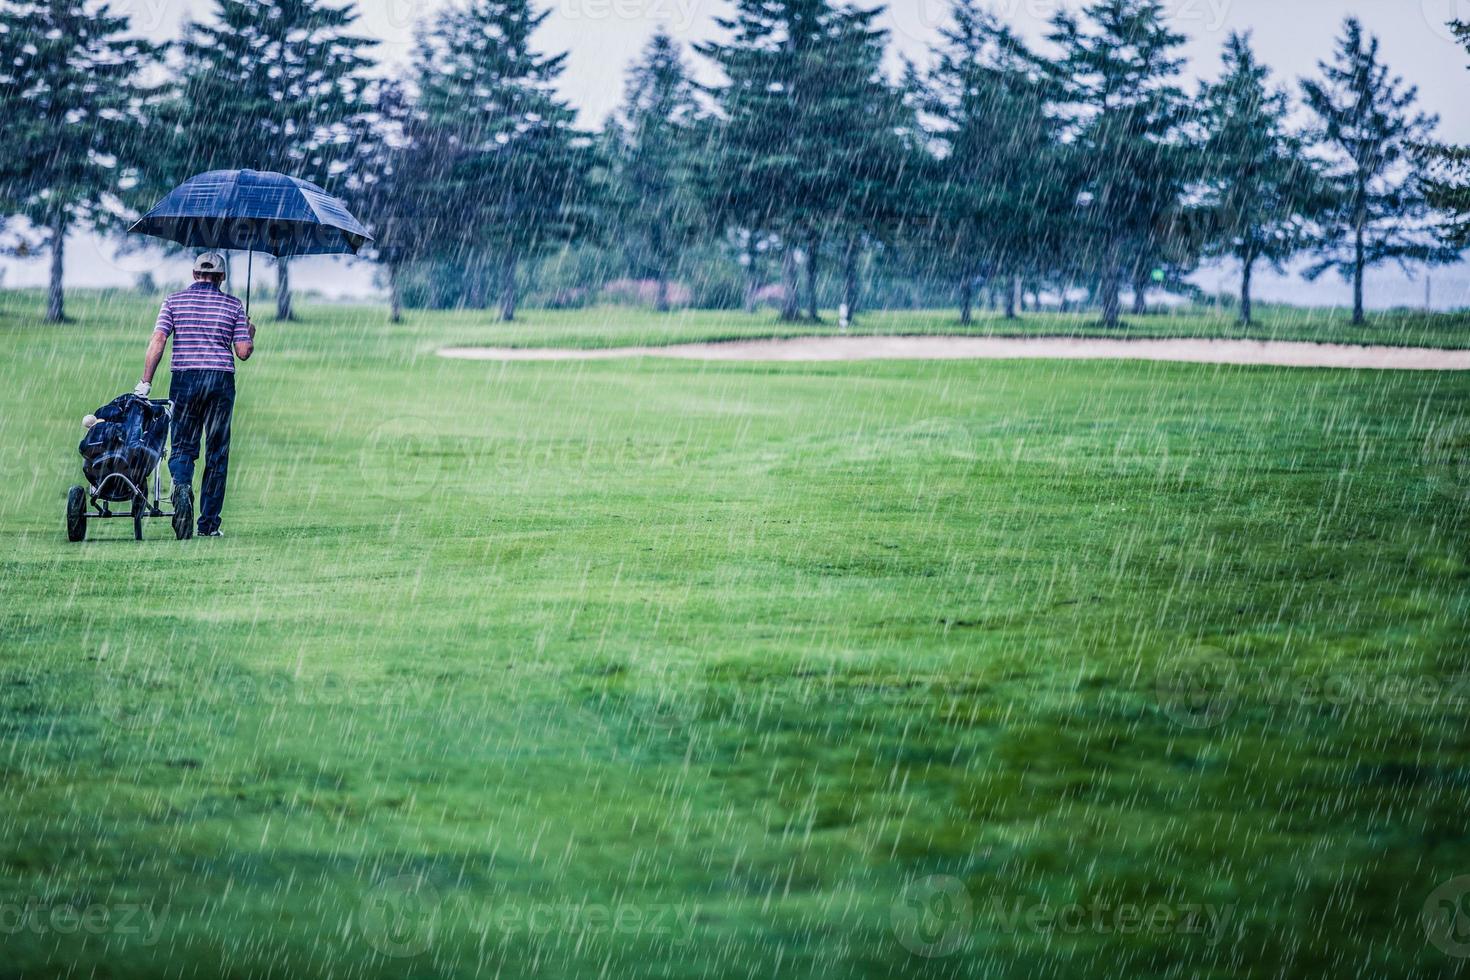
x=675 y=669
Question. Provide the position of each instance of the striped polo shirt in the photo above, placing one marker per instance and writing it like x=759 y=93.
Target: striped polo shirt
x=205 y=325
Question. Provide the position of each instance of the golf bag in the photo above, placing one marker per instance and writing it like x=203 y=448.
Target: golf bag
x=122 y=450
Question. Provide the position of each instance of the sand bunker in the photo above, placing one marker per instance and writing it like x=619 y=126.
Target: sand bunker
x=1249 y=352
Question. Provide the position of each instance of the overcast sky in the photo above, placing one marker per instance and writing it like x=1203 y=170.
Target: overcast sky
x=602 y=36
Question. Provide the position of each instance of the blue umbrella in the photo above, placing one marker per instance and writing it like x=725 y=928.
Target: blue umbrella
x=257 y=211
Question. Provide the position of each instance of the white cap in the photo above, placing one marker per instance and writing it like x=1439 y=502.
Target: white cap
x=210 y=262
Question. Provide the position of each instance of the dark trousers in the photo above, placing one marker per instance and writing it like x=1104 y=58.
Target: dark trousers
x=203 y=404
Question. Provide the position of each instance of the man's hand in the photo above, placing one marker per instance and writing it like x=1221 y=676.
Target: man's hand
x=143 y=388
x=244 y=348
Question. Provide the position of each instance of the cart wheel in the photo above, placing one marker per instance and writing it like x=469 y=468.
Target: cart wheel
x=76 y=514
x=140 y=506
x=183 y=513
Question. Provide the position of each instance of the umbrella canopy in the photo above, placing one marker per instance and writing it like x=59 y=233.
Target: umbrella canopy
x=256 y=210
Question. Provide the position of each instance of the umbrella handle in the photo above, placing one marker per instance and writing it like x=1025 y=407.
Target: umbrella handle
x=249 y=268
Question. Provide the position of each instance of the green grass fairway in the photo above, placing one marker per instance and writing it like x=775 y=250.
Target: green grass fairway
x=621 y=327
x=678 y=669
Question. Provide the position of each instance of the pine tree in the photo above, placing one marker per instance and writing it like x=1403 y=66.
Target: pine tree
x=267 y=85
x=1366 y=114
x=810 y=144
x=999 y=185
x=516 y=174
x=1446 y=187
x=1445 y=180
x=1263 y=189
x=655 y=176
x=72 y=105
x=1115 y=85
x=876 y=146
x=392 y=171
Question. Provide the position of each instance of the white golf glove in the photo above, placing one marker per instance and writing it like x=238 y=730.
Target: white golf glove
x=143 y=388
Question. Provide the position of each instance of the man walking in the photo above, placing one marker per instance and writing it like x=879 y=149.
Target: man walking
x=209 y=330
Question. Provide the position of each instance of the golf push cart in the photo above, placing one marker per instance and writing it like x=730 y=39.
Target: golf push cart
x=121 y=451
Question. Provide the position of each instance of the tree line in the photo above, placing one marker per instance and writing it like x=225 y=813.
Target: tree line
x=994 y=169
